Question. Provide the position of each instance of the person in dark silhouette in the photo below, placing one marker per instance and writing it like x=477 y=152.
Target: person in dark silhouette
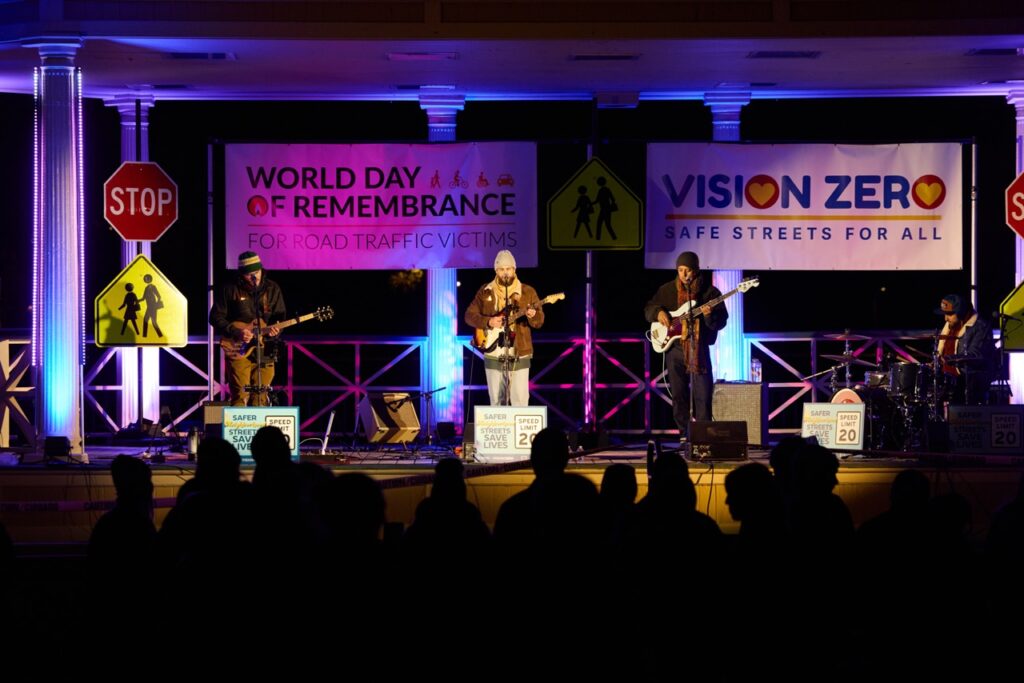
x=131 y=307
x=517 y=527
x=154 y=302
x=605 y=201
x=124 y=538
x=617 y=499
x=448 y=532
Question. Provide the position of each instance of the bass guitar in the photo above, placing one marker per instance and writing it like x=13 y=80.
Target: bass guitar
x=491 y=341
x=682 y=318
x=235 y=348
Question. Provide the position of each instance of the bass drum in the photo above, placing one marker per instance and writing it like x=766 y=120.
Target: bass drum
x=883 y=418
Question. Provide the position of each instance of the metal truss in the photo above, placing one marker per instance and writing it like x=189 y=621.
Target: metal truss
x=333 y=374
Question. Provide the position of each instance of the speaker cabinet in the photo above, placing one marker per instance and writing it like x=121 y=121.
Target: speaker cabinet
x=213 y=418
x=389 y=418
x=743 y=402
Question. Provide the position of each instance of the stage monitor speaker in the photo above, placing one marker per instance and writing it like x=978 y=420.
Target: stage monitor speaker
x=389 y=418
x=718 y=440
x=743 y=402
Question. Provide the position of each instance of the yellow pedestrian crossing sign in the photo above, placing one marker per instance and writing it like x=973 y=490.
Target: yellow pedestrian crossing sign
x=1011 y=312
x=595 y=211
x=141 y=308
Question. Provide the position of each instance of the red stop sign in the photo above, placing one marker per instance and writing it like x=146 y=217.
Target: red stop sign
x=1015 y=205
x=140 y=201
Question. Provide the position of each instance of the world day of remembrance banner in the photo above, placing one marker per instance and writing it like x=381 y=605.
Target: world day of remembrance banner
x=805 y=207
x=381 y=206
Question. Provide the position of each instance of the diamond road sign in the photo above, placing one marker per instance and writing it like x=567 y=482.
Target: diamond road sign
x=595 y=211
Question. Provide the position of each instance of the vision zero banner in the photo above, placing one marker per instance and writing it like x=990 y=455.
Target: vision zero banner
x=806 y=207
x=381 y=206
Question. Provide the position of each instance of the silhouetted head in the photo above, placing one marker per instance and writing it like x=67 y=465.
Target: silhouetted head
x=618 y=485
x=549 y=454
x=133 y=480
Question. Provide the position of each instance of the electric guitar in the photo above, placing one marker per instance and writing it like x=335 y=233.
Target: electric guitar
x=491 y=340
x=680 y=326
x=235 y=349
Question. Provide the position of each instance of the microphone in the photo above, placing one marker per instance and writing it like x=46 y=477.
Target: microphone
x=1002 y=316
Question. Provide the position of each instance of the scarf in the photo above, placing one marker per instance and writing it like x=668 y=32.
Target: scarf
x=691 y=350
x=514 y=290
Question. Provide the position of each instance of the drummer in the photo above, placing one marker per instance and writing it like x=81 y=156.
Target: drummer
x=966 y=349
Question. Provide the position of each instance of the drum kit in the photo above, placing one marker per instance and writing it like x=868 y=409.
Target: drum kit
x=901 y=397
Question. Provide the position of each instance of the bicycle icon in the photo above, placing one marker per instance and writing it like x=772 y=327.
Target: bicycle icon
x=458 y=181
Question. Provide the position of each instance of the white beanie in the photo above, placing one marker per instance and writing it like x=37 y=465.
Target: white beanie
x=504 y=259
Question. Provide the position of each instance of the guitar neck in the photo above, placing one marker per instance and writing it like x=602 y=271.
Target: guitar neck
x=294 y=321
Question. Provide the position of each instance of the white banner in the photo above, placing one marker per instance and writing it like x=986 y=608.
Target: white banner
x=805 y=207
x=381 y=206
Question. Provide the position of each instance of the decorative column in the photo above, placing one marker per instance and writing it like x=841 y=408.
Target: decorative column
x=58 y=249
x=135 y=147
x=443 y=367
x=732 y=355
x=1016 y=98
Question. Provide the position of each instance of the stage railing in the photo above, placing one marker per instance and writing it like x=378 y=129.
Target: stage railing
x=323 y=374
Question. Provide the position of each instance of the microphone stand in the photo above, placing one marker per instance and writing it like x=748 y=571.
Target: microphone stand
x=507 y=358
x=257 y=388
x=694 y=359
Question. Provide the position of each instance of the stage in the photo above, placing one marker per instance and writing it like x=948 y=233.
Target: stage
x=57 y=502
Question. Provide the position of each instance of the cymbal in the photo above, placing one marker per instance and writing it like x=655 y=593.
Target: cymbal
x=850 y=359
x=940 y=337
x=847 y=337
x=919 y=354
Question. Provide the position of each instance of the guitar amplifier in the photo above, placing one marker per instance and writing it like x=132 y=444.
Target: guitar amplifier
x=389 y=418
x=719 y=440
x=213 y=417
x=743 y=402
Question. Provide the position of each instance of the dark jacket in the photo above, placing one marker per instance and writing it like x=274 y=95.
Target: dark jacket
x=977 y=344
x=666 y=299
x=235 y=303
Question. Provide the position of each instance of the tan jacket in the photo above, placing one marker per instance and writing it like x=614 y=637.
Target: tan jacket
x=484 y=306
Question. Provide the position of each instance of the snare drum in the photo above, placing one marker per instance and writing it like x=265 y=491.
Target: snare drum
x=875 y=379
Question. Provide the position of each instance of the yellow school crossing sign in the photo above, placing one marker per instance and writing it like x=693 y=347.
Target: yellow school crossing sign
x=141 y=308
x=596 y=211
x=1011 y=312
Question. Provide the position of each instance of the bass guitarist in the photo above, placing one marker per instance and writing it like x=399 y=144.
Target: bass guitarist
x=236 y=308
x=688 y=360
x=506 y=302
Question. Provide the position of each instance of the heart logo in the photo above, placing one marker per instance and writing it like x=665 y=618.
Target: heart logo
x=762 y=191
x=929 y=191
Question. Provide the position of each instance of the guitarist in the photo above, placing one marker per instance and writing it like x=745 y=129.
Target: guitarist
x=506 y=302
x=690 y=355
x=252 y=295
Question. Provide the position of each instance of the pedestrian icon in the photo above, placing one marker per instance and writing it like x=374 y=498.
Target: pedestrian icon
x=595 y=210
x=161 y=308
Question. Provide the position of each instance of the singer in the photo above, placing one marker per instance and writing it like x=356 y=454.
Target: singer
x=250 y=298
x=508 y=305
x=689 y=361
